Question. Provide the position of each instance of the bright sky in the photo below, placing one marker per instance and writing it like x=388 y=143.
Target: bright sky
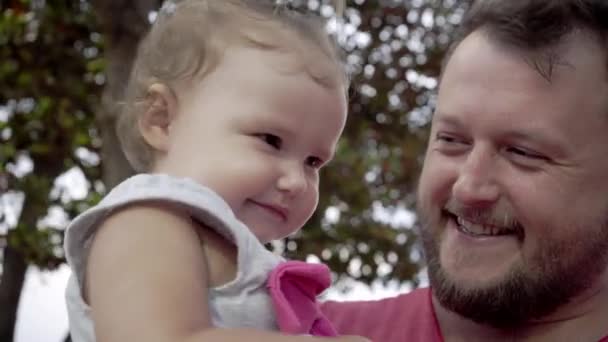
x=42 y=314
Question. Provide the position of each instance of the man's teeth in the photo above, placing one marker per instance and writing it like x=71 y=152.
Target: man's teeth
x=481 y=229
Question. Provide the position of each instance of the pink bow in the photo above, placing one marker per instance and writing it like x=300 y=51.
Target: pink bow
x=294 y=287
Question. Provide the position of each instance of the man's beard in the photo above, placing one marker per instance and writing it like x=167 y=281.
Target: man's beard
x=559 y=271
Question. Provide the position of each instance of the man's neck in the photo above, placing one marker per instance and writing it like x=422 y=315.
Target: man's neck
x=585 y=318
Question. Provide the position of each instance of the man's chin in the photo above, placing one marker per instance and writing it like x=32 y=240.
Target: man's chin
x=485 y=301
x=472 y=287
x=475 y=280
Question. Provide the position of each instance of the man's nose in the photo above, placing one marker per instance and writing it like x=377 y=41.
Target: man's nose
x=476 y=182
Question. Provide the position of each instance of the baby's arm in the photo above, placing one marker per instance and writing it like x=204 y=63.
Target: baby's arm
x=147 y=281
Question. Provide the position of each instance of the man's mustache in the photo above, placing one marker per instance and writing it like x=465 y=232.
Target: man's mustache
x=499 y=215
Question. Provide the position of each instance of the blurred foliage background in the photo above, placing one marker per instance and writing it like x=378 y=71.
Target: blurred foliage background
x=63 y=68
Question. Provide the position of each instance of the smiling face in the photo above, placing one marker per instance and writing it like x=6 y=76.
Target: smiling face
x=257 y=130
x=512 y=195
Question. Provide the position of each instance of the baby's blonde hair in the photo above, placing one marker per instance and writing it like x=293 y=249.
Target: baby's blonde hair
x=186 y=41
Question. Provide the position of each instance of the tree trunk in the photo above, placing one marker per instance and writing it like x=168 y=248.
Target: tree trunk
x=119 y=57
x=13 y=276
x=14 y=266
x=123 y=24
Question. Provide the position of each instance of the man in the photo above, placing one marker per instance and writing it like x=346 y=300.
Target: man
x=513 y=195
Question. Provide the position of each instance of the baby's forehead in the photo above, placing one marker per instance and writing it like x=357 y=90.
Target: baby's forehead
x=304 y=51
x=310 y=59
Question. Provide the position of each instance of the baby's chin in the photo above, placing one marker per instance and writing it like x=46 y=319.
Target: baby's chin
x=266 y=235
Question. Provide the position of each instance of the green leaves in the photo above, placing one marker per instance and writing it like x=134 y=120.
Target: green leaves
x=51 y=104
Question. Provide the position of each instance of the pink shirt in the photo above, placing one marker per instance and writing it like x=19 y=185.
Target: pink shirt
x=408 y=317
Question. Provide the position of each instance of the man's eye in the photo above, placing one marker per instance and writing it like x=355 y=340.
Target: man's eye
x=447 y=138
x=450 y=144
x=271 y=140
x=525 y=153
x=314 y=162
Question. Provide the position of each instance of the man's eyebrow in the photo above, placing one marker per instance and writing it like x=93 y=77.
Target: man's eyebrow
x=447 y=119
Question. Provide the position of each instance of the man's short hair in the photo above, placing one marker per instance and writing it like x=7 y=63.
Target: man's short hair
x=535 y=27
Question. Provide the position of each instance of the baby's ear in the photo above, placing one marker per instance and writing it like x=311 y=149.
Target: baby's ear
x=155 y=121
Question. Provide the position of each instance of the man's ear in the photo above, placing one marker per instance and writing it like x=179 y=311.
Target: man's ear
x=155 y=122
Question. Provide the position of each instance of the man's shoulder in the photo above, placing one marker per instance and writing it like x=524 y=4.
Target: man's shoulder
x=408 y=303
x=404 y=317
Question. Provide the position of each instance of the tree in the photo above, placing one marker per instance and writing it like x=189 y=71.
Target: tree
x=63 y=66
x=50 y=72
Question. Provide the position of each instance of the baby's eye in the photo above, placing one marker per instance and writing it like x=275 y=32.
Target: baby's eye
x=271 y=140
x=314 y=162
